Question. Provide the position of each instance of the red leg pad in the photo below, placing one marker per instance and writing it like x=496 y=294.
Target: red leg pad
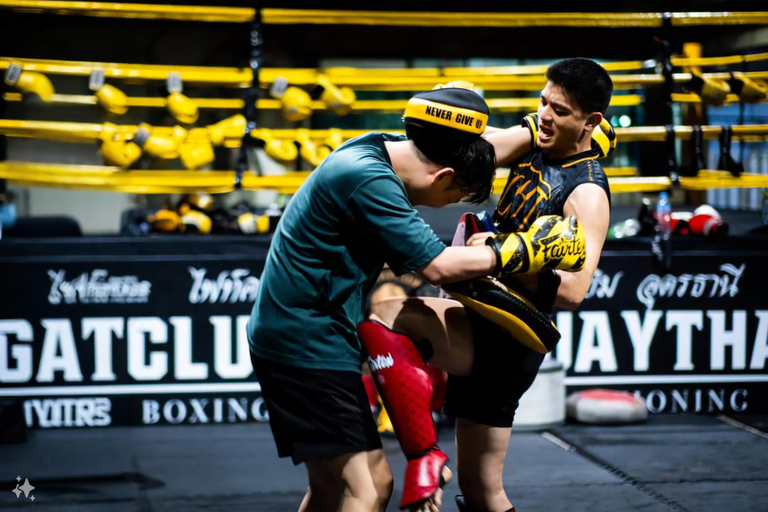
x=422 y=478
x=404 y=384
x=370 y=390
x=439 y=384
x=406 y=390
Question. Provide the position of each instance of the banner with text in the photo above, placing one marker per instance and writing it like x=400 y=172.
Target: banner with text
x=692 y=339
x=130 y=343
x=162 y=341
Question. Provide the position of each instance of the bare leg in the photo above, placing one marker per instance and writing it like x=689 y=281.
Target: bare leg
x=383 y=481
x=325 y=491
x=481 y=451
x=356 y=482
x=442 y=322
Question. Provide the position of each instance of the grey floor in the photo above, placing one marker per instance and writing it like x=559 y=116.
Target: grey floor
x=683 y=463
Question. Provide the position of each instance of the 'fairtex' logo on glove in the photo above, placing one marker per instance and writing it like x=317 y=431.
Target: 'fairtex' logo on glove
x=562 y=248
x=382 y=362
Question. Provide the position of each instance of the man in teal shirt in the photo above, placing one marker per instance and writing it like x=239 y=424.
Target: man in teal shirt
x=354 y=214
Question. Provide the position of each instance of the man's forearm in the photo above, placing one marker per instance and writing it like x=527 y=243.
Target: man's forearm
x=460 y=263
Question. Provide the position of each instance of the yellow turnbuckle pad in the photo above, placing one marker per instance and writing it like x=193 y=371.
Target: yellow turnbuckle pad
x=509 y=309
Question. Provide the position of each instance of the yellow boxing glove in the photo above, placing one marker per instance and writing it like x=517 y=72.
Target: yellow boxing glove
x=160 y=141
x=228 y=129
x=531 y=121
x=111 y=99
x=711 y=91
x=552 y=243
x=281 y=150
x=604 y=138
x=749 y=91
x=195 y=154
x=29 y=82
x=309 y=150
x=120 y=153
x=182 y=108
x=337 y=99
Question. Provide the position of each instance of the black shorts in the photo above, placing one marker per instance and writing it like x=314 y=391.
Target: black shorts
x=503 y=370
x=316 y=414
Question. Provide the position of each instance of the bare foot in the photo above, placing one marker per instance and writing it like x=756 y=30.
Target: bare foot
x=435 y=501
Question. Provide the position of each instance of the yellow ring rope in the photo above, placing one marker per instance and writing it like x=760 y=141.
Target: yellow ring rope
x=86 y=132
x=491 y=78
x=495 y=104
x=113 y=179
x=387 y=18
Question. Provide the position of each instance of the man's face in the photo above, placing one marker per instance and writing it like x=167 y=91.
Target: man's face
x=561 y=123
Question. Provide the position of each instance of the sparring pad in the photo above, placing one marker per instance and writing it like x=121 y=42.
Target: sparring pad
x=497 y=302
x=508 y=309
x=471 y=223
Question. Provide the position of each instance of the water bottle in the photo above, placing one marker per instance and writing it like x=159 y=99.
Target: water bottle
x=663 y=216
x=661 y=245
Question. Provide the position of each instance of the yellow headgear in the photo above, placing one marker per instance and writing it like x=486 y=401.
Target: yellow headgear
x=454 y=105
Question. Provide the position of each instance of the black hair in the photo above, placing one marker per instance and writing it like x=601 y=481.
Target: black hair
x=585 y=82
x=472 y=158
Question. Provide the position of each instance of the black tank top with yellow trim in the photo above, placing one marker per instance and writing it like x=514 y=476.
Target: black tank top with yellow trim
x=540 y=186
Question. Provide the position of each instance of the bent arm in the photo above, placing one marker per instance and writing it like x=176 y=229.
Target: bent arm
x=459 y=263
x=588 y=203
x=509 y=144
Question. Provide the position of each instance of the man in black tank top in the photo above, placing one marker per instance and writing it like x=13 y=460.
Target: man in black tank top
x=553 y=171
x=539 y=185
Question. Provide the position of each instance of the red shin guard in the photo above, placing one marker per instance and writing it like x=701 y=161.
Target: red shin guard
x=406 y=390
x=370 y=390
x=439 y=385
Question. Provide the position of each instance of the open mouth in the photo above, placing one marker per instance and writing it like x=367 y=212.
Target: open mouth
x=545 y=134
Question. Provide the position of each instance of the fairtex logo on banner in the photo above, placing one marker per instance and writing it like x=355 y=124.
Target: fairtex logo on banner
x=229 y=286
x=97 y=287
